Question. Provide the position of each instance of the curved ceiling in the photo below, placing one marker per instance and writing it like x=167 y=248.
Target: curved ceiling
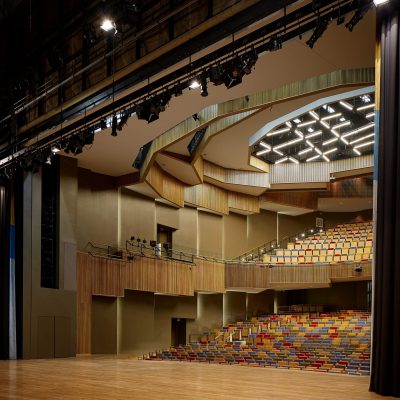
x=337 y=49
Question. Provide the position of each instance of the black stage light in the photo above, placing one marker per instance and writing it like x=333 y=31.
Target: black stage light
x=89 y=35
x=203 y=83
x=142 y=111
x=154 y=112
x=317 y=33
x=123 y=121
x=233 y=74
x=75 y=145
x=358 y=16
x=249 y=61
x=275 y=43
x=114 y=123
x=103 y=124
x=88 y=136
x=216 y=74
x=178 y=90
x=196 y=117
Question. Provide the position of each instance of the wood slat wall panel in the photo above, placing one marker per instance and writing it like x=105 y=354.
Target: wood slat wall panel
x=239 y=201
x=236 y=177
x=289 y=277
x=165 y=185
x=209 y=276
x=84 y=304
x=208 y=196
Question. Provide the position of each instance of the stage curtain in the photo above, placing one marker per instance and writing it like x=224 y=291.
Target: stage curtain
x=385 y=363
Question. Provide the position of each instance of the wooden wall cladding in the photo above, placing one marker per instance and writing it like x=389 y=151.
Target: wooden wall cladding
x=292 y=277
x=209 y=276
x=236 y=177
x=165 y=185
x=243 y=202
x=208 y=196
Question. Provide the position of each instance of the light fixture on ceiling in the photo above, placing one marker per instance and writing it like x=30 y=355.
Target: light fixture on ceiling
x=203 y=83
x=267 y=146
x=330 y=141
x=362 y=138
x=307 y=123
x=56 y=148
x=281 y=160
x=108 y=25
x=359 y=146
x=363 y=128
x=277 y=152
x=370 y=115
x=380 y=2
x=299 y=133
x=346 y=105
x=261 y=152
x=296 y=120
x=194 y=83
x=321 y=27
x=277 y=132
x=357 y=152
x=313 y=158
x=358 y=16
x=366 y=107
x=288 y=143
x=341 y=125
x=331 y=116
x=293 y=160
x=313 y=134
x=114 y=124
x=289 y=124
x=300 y=153
x=325 y=124
x=330 y=151
x=309 y=143
x=314 y=115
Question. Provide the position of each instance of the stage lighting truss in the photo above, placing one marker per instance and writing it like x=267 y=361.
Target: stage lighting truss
x=334 y=131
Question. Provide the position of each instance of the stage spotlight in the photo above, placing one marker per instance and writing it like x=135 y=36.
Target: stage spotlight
x=56 y=148
x=108 y=26
x=275 y=43
x=233 y=74
x=89 y=35
x=196 y=117
x=249 y=61
x=358 y=16
x=122 y=121
x=88 y=136
x=75 y=145
x=203 y=81
x=103 y=124
x=194 y=84
x=154 y=112
x=114 y=123
x=178 y=90
x=216 y=75
x=318 y=31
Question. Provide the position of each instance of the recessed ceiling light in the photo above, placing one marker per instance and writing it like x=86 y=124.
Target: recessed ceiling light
x=277 y=132
x=346 y=105
x=305 y=151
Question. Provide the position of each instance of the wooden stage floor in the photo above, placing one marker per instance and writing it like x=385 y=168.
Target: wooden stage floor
x=106 y=378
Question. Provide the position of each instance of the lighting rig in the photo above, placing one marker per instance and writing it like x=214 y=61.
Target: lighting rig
x=228 y=65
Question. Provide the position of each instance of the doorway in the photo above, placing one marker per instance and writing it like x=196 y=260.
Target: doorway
x=178 y=332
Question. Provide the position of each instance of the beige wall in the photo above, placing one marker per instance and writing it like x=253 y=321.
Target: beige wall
x=104 y=325
x=234 y=307
x=97 y=209
x=136 y=322
x=261 y=228
x=235 y=235
x=137 y=216
x=186 y=234
x=49 y=315
x=210 y=234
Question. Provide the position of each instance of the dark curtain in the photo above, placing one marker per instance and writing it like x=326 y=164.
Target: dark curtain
x=4 y=271
x=385 y=364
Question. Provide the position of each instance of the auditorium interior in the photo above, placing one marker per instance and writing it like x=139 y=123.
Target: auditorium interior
x=192 y=186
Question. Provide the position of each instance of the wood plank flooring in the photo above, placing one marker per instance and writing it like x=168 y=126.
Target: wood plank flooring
x=105 y=378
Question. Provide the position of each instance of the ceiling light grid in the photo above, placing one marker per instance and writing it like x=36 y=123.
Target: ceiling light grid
x=337 y=130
